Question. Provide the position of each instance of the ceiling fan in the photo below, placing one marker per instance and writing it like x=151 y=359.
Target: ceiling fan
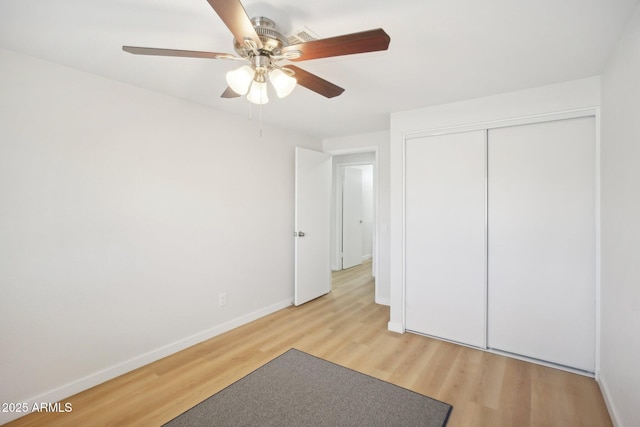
x=258 y=42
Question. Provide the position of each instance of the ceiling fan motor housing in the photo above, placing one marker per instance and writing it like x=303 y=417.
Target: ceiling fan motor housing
x=272 y=40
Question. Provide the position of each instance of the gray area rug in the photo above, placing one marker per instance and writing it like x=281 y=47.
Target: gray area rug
x=297 y=389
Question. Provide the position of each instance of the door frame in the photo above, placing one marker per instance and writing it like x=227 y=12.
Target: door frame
x=397 y=322
x=336 y=238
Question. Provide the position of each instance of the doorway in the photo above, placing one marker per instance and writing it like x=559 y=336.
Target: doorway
x=353 y=218
x=357 y=215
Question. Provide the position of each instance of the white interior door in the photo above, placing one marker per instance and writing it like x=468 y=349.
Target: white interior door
x=352 y=217
x=445 y=236
x=542 y=241
x=312 y=225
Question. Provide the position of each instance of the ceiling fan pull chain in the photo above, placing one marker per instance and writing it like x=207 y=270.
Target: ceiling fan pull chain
x=260 y=119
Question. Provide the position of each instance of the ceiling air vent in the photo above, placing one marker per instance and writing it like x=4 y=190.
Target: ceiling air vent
x=301 y=36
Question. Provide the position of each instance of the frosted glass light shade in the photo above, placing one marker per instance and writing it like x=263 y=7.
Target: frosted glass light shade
x=282 y=82
x=258 y=93
x=239 y=80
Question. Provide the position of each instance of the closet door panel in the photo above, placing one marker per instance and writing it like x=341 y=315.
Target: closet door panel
x=445 y=236
x=541 y=241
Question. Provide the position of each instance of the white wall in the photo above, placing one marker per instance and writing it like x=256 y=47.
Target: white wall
x=620 y=351
x=123 y=215
x=544 y=100
x=378 y=141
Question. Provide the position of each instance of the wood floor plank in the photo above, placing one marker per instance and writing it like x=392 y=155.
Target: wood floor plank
x=348 y=328
x=489 y=389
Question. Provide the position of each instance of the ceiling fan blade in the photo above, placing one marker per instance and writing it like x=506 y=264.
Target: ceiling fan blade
x=235 y=18
x=229 y=93
x=315 y=83
x=348 y=44
x=175 y=52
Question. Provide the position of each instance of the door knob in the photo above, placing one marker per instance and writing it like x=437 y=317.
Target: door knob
x=300 y=233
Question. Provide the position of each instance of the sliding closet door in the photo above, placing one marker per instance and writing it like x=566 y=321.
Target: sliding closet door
x=445 y=236
x=541 y=251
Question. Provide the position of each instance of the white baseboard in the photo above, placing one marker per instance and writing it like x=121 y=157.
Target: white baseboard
x=395 y=327
x=604 y=389
x=383 y=301
x=74 y=387
x=366 y=257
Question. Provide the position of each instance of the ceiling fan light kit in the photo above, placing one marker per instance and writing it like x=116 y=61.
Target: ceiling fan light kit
x=283 y=83
x=251 y=79
x=258 y=92
x=239 y=80
x=258 y=42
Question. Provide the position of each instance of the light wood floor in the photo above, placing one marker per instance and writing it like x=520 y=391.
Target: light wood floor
x=348 y=328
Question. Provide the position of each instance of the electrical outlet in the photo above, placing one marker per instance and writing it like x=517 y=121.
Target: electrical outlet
x=222 y=299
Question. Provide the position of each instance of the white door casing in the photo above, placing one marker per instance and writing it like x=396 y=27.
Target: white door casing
x=529 y=322
x=312 y=276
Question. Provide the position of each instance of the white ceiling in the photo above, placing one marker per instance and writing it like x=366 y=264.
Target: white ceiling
x=441 y=50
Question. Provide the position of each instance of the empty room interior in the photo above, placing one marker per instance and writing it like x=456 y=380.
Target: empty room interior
x=443 y=195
